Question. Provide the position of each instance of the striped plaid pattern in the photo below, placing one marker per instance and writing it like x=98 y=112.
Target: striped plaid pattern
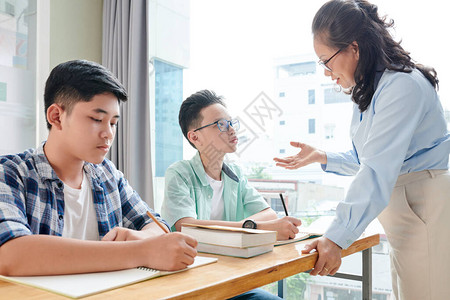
x=32 y=198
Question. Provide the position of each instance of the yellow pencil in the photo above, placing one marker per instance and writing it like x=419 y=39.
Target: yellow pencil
x=163 y=227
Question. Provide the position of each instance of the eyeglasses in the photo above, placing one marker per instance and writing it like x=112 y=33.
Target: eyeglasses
x=224 y=125
x=324 y=63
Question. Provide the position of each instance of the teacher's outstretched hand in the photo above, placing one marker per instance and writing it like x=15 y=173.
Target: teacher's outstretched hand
x=306 y=156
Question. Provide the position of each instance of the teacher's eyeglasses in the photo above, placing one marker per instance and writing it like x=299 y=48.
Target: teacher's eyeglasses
x=223 y=125
x=324 y=63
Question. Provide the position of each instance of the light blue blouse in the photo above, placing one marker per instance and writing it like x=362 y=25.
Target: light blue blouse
x=402 y=131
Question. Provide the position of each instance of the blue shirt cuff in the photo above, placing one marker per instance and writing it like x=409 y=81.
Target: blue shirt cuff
x=340 y=235
x=333 y=163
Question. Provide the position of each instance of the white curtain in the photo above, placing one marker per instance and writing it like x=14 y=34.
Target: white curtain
x=125 y=53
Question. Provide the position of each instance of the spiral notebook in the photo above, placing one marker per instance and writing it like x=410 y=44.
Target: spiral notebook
x=82 y=285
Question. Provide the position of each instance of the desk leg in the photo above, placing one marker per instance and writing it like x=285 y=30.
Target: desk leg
x=367 y=274
x=281 y=288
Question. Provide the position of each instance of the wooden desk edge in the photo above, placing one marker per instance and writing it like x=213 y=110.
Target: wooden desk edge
x=272 y=274
x=226 y=288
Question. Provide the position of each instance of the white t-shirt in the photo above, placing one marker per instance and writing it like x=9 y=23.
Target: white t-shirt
x=80 y=219
x=217 y=205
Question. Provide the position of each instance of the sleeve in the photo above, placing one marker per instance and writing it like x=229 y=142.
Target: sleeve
x=134 y=209
x=397 y=111
x=178 y=202
x=13 y=217
x=342 y=163
x=253 y=201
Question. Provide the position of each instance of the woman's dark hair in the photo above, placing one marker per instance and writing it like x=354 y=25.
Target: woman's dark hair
x=340 y=22
x=189 y=116
x=80 y=80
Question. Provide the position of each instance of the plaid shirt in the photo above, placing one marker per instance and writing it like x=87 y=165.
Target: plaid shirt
x=32 y=198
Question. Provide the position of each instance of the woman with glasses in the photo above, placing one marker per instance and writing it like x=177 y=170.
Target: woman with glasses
x=400 y=150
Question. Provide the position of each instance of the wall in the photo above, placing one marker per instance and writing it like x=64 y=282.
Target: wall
x=67 y=30
x=75 y=30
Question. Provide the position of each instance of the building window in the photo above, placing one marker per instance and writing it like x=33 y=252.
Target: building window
x=276 y=205
x=331 y=96
x=282 y=94
x=311 y=97
x=282 y=122
x=312 y=126
x=168 y=98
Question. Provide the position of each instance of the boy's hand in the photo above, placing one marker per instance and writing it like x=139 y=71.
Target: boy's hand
x=125 y=234
x=120 y=234
x=170 y=252
x=286 y=227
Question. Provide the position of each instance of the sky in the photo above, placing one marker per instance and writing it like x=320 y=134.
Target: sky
x=234 y=43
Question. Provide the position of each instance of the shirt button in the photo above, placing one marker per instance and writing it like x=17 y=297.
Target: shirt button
x=61 y=217
x=60 y=185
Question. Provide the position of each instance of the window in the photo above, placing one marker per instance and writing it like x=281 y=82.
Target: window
x=168 y=98
x=311 y=96
x=277 y=69
x=312 y=126
x=17 y=76
x=276 y=205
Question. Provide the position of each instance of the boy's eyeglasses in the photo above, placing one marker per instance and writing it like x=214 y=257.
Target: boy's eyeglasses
x=324 y=63
x=224 y=125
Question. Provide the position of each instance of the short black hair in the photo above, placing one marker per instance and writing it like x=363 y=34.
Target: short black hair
x=189 y=115
x=79 y=80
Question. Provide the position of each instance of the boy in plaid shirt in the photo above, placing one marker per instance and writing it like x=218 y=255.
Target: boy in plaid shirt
x=66 y=209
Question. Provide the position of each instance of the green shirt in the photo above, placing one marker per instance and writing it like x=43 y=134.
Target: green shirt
x=187 y=193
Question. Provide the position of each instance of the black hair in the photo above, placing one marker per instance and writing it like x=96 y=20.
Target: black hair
x=79 y=80
x=340 y=22
x=189 y=116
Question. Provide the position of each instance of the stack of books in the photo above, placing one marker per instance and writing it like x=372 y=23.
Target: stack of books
x=231 y=241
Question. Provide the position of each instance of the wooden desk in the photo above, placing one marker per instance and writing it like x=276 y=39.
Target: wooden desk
x=227 y=278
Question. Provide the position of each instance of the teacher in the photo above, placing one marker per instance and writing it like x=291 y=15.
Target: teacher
x=400 y=151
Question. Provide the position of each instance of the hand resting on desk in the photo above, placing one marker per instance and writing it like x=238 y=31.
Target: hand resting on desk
x=169 y=252
x=329 y=259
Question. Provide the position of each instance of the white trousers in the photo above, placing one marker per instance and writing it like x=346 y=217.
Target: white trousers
x=417 y=226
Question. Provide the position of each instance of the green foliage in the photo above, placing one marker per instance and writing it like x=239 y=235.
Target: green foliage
x=258 y=173
x=295 y=287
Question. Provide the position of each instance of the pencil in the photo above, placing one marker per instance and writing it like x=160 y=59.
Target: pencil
x=284 y=204
x=163 y=227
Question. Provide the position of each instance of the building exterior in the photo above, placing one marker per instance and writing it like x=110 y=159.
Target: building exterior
x=314 y=112
x=301 y=198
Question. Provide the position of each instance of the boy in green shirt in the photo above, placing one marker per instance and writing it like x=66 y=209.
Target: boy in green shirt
x=205 y=190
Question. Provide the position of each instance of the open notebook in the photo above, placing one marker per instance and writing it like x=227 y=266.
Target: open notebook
x=82 y=285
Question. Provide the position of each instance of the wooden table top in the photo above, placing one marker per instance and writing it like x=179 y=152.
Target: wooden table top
x=226 y=278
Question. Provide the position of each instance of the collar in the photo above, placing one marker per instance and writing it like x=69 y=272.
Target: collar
x=46 y=171
x=379 y=72
x=197 y=165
